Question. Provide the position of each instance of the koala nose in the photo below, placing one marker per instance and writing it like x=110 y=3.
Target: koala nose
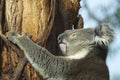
x=60 y=38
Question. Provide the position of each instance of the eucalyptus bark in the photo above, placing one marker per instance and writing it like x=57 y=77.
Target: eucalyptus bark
x=44 y=20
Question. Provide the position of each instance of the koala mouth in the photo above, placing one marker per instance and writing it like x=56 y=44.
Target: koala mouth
x=62 y=46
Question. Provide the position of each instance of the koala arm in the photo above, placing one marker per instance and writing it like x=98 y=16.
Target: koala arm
x=41 y=59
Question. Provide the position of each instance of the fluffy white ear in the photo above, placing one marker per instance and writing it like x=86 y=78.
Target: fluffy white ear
x=103 y=35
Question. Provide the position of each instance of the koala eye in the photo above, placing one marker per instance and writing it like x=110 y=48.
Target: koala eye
x=72 y=36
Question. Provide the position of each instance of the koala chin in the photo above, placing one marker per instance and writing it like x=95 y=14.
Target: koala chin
x=84 y=53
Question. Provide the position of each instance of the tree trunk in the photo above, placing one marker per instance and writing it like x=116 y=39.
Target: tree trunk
x=44 y=20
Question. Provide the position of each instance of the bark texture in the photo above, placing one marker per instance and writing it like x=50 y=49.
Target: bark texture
x=44 y=20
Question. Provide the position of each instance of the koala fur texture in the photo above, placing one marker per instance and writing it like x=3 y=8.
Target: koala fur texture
x=84 y=54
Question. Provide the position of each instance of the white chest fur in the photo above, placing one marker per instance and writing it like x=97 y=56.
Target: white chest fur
x=79 y=55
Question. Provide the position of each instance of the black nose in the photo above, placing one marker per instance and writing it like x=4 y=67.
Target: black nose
x=60 y=38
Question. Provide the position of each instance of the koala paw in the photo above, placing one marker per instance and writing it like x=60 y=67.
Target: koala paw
x=12 y=36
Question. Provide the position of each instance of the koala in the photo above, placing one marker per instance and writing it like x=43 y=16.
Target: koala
x=84 y=53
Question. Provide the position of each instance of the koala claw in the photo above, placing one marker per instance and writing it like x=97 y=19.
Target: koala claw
x=30 y=36
x=24 y=34
x=12 y=36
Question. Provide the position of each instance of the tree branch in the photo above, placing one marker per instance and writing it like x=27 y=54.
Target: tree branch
x=19 y=68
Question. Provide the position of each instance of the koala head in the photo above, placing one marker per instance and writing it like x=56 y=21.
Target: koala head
x=72 y=42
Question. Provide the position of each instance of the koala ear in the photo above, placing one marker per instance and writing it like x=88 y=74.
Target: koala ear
x=103 y=35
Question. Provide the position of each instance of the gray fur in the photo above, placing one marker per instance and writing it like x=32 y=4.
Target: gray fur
x=90 y=66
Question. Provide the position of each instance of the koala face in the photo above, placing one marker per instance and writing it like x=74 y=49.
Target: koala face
x=71 y=41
